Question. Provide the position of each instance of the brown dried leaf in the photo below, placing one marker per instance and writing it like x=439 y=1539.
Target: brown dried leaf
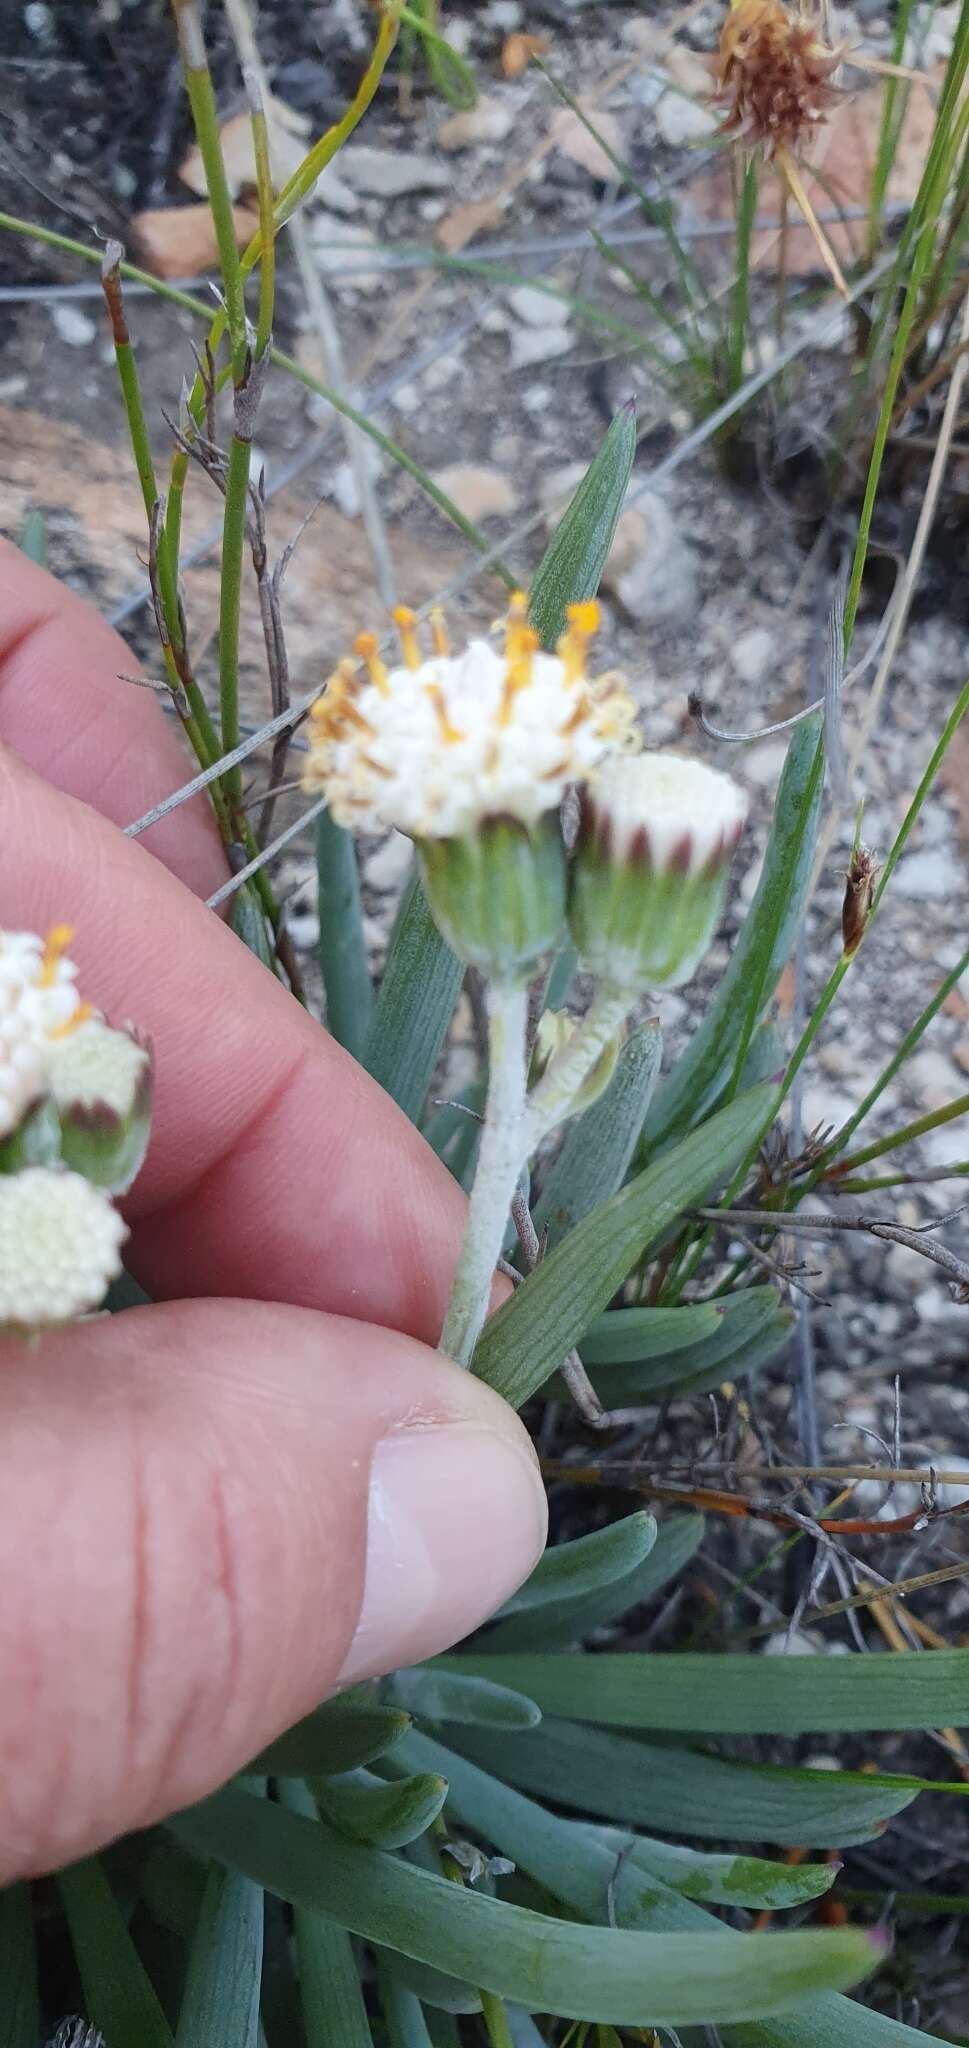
x=179 y=241
x=478 y=217
x=287 y=133
x=518 y=51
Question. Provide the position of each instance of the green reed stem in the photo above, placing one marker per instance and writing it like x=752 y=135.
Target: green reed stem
x=205 y=118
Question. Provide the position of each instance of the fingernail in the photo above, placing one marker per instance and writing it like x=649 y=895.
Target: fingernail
x=456 y=1521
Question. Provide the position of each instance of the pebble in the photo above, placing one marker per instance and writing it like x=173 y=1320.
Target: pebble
x=489 y=121
x=933 y=1077
x=72 y=326
x=572 y=139
x=478 y=492
x=537 y=309
x=763 y=763
x=340 y=242
x=530 y=345
x=650 y=568
x=387 y=173
x=680 y=120
x=752 y=654
x=926 y=876
x=387 y=867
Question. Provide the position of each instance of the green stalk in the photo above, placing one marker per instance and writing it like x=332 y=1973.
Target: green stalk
x=230 y=602
x=932 y=1121
x=500 y=1159
x=957 y=1171
x=205 y=119
x=496 y=2020
x=740 y=312
x=900 y=1055
x=889 y=132
x=267 y=226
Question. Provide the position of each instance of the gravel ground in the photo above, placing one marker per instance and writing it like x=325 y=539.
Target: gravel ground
x=714 y=589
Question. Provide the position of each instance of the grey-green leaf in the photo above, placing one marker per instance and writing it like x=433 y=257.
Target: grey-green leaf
x=19 y=2017
x=334 y=2014
x=337 y=1736
x=627 y=1335
x=574 y=1616
x=545 y=1964
x=118 y=1994
x=681 y=1791
x=248 y=920
x=598 y=1146
x=418 y=992
x=551 y=1311
x=572 y=564
x=761 y=951
x=365 y=1808
x=405 y=2022
x=220 y=2006
x=738 y=1695
x=572 y=1570
x=342 y=946
x=754 y=1325
x=431 y=1694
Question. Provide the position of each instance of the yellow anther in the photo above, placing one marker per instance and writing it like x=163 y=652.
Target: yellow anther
x=406 y=623
x=450 y=734
x=583 y=624
x=439 y=638
x=584 y=618
x=55 y=946
x=521 y=645
x=365 y=647
x=81 y=1015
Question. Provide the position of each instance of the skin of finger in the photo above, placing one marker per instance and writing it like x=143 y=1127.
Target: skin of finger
x=66 y=710
x=184 y=1490
x=276 y=1167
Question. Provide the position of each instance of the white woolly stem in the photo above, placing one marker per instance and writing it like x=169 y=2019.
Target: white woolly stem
x=551 y=1099
x=501 y=1156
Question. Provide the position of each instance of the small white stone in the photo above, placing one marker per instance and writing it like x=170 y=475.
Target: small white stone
x=530 y=345
x=72 y=326
x=477 y=492
x=338 y=244
x=489 y=121
x=650 y=567
x=763 y=763
x=752 y=654
x=537 y=309
x=681 y=120
x=927 y=876
x=388 y=173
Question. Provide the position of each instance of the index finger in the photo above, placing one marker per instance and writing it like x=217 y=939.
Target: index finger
x=277 y=1168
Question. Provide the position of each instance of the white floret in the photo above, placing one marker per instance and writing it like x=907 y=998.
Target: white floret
x=94 y=1066
x=37 y=999
x=437 y=749
x=689 y=813
x=60 y=1247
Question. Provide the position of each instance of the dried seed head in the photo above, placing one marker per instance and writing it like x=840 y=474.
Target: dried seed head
x=773 y=74
x=860 y=877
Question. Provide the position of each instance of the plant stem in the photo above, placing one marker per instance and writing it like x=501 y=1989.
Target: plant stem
x=551 y=1099
x=198 y=84
x=503 y=1149
x=496 y=2021
x=230 y=602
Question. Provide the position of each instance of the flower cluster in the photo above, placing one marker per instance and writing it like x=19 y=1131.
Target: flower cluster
x=773 y=75
x=75 y=1107
x=438 y=745
x=472 y=754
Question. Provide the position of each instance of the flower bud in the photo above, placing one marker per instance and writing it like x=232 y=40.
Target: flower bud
x=499 y=894
x=101 y=1084
x=60 y=1247
x=858 y=897
x=656 y=835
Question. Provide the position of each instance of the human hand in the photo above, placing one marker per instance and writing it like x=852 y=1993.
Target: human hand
x=215 y=1510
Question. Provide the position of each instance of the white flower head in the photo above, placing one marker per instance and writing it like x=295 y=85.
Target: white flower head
x=666 y=811
x=438 y=746
x=60 y=1247
x=38 y=1003
x=656 y=836
x=94 y=1067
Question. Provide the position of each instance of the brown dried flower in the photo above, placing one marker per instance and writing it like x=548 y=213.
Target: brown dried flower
x=773 y=74
x=859 y=896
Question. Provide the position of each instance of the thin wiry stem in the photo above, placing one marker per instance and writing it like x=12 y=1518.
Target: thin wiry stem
x=266 y=853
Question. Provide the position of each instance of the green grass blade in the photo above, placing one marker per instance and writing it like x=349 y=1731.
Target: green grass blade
x=220 y=2007
x=571 y=1571
x=547 y=1965
x=248 y=921
x=418 y=992
x=550 y=1312
x=334 y=2014
x=365 y=1808
x=118 y=1994
x=405 y=2022
x=337 y=1736
x=343 y=950
x=761 y=950
x=431 y=1694
x=599 y=1145
x=570 y=1620
x=33 y=537
x=19 y=2012
x=681 y=1791
x=573 y=562
x=730 y=1695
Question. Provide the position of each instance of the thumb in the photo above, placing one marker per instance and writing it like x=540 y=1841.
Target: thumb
x=220 y=1511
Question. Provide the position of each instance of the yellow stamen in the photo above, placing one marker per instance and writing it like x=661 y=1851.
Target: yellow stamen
x=365 y=647
x=439 y=638
x=55 y=946
x=81 y=1015
x=522 y=644
x=406 y=623
x=573 y=647
x=449 y=733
